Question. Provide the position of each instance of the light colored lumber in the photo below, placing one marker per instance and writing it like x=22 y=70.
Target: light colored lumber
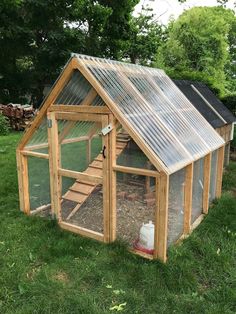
x=138 y=171
x=81 y=231
x=34 y=154
x=54 y=157
x=20 y=179
x=106 y=181
x=60 y=83
x=142 y=254
x=89 y=97
x=161 y=217
x=206 y=182
x=74 y=116
x=25 y=184
x=114 y=108
x=73 y=212
x=69 y=125
x=112 y=176
x=197 y=222
x=220 y=167
x=80 y=176
x=188 y=195
x=40 y=209
x=80 y=109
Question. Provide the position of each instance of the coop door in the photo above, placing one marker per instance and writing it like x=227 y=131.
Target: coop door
x=83 y=163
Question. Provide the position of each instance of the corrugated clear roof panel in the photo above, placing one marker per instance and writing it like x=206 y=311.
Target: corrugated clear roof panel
x=189 y=112
x=75 y=91
x=169 y=116
x=157 y=110
x=141 y=116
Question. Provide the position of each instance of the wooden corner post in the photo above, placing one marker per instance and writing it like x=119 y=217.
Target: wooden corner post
x=23 y=182
x=161 y=217
x=53 y=150
x=206 y=183
x=112 y=185
x=220 y=166
x=188 y=195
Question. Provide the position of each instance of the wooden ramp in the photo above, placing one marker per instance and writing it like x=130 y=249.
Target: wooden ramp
x=81 y=190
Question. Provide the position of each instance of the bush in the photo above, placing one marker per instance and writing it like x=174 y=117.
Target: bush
x=4 y=125
x=230 y=102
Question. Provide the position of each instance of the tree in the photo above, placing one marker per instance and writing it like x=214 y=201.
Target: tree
x=145 y=37
x=37 y=37
x=198 y=46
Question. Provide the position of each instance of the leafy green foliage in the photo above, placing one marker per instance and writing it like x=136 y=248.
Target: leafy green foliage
x=47 y=270
x=198 y=44
x=4 y=125
x=145 y=37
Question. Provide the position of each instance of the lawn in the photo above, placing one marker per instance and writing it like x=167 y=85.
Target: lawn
x=46 y=270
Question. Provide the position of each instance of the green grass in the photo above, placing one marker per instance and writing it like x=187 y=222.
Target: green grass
x=46 y=270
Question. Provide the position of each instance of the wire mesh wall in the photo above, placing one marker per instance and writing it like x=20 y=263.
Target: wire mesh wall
x=176 y=206
x=213 y=176
x=39 y=182
x=197 y=198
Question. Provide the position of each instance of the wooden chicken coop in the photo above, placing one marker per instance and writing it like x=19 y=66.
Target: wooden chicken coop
x=114 y=146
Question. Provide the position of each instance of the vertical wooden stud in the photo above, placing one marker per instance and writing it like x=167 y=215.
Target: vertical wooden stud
x=20 y=180
x=25 y=184
x=188 y=194
x=161 y=219
x=112 y=185
x=206 y=183
x=53 y=147
x=106 y=201
x=220 y=166
x=88 y=151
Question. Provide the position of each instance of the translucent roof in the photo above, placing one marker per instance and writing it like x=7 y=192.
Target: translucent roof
x=157 y=110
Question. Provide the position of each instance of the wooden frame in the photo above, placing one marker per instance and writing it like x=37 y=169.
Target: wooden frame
x=104 y=115
x=188 y=192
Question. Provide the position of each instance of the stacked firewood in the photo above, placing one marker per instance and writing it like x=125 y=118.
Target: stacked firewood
x=18 y=115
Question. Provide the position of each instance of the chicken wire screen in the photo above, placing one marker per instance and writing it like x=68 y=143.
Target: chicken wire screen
x=176 y=206
x=39 y=140
x=197 y=196
x=213 y=176
x=39 y=182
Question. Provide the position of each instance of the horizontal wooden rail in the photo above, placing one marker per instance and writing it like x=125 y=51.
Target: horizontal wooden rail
x=142 y=172
x=34 y=154
x=80 y=176
x=76 y=116
x=80 y=109
x=82 y=231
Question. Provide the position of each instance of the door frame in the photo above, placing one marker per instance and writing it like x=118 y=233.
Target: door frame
x=56 y=172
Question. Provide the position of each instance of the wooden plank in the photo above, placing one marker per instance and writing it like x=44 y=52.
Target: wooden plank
x=120 y=117
x=73 y=212
x=20 y=179
x=54 y=157
x=188 y=195
x=69 y=125
x=80 y=176
x=80 y=109
x=74 y=116
x=161 y=217
x=75 y=196
x=220 y=167
x=25 y=184
x=34 y=154
x=138 y=171
x=197 y=222
x=40 y=209
x=82 y=188
x=112 y=176
x=206 y=183
x=60 y=83
x=106 y=181
x=142 y=254
x=94 y=172
x=88 y=151
x=81 y=231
